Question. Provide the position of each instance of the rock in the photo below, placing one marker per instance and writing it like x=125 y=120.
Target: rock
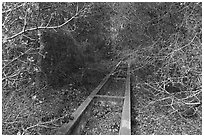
x=172 y=89
x=188 y=113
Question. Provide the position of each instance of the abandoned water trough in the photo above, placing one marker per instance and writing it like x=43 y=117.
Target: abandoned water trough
x=106 y=110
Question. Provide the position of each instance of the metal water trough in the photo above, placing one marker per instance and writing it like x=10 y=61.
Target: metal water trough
x=75 y=126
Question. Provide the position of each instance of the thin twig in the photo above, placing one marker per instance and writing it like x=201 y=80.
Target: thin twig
x=17 y=58
x=25 y=21
x=9 y=10
x=41 y=27
x=49 y=20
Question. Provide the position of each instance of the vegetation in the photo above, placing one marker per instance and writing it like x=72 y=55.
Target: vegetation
x=168 y=72
x=62 y=50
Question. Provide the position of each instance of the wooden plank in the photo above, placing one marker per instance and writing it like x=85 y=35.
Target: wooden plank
x=125 y=127
x=74 y=126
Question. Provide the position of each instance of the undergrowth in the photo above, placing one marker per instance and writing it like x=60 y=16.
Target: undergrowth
x=171 y=71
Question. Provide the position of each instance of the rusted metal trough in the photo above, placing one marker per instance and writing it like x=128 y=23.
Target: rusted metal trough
x=83 y=113
x=125 y=128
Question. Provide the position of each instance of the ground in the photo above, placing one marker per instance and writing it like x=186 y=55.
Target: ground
x=160 y=113
x=32 y=111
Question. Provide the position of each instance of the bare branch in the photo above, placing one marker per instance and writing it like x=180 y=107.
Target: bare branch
x=28 y=37
x=25 y=21
x=49 y=20
x=17 y=58
x=7 y=16
x=41 y=27
x=9 y=10
x=12 y=75
x=41 y=124
x=77 y=7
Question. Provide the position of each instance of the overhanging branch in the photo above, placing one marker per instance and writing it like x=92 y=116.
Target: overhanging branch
x=44 y=27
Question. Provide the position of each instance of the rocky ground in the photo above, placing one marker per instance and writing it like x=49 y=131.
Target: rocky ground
x=34 y=112
x=156 y=112
x=105 y=118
